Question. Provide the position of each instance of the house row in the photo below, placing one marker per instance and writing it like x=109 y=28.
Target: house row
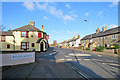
x=104 y=38
x=25 y=38
x=74 y=42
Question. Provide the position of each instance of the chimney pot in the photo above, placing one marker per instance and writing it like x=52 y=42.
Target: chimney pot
x=78 y=36
x=32 y=23
x=42 y=27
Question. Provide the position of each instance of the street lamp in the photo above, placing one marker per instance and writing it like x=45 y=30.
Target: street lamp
x=91 y=34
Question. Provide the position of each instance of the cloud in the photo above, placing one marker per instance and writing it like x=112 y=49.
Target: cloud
x=55 y=12
x=29 y=5
x=69 y=32
x=68 y=6
x=72 y=32
x=67 y=17
x=113 y=26
x=43 y=6
x=86 y=14
x=100 y=14
x=50 y=8
x=114 y=4
x=45 y=17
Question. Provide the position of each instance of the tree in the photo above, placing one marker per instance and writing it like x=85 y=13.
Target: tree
x=54 y=43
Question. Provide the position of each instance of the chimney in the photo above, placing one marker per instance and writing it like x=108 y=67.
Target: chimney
x=98 y=30
x=32 y=23
x=104 y=28
x=42 y=27
x=78 y=36
x=74 y=37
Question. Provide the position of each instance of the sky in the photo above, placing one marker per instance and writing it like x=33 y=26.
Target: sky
x=61 y=20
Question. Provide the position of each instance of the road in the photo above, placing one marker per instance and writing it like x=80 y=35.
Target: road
x=66 y=63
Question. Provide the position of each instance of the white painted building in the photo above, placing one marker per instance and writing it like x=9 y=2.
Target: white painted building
x=77 y=42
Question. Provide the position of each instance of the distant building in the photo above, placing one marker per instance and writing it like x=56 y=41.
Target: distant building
x=25 y=38
x=105 y=38
x=54 y=43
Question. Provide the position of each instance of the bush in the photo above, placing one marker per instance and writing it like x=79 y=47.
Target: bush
x=100 y=48
x=87 y=48
x=116 y=46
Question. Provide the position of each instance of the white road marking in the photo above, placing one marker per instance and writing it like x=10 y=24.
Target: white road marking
x=100 y=55
x=69 y=59
x=78 y=59
x=61 y=59
x=103 y=63
x=67 y=56
x=79 y=54
x=86 y=59
x=114 y=64
x=52 y=60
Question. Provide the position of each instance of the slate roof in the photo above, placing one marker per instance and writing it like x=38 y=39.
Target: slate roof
x=105 y=33
x=27 y=28
x=38 y=41
x=72 y=40
x=6 y=33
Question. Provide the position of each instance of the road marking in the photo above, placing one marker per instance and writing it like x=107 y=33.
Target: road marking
x=69 y=59
x=79 y=54
x=103 y=63
x=61 y=59
x=100 y=55
x=78 y=59
x=67 y=56
x=52 y=60
x=86 y=59
x=114 y=64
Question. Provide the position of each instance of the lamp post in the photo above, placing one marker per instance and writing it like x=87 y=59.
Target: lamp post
x=91 y=34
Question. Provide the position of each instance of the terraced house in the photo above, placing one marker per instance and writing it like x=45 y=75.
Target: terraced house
x=105 y=38
x=25 y=38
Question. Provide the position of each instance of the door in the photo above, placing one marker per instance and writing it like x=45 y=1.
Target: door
x=41 y=46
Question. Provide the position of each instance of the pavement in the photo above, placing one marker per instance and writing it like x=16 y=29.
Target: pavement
x=66 y=63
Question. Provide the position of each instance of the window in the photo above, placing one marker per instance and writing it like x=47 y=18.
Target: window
x=98 y=39
x=31 y=35
x=113 y=36
x=24 y=34
x=3 y=38
x=44 y=36
x=105 y=38
x=47 y=37
x=24 y=45
x=39 y=35
x=8 y=45
x=33 y=45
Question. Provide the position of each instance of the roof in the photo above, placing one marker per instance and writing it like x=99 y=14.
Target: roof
x=6 y=33
x=105 y=33
x=72 y=40
x=27 y=28
x=38 y=41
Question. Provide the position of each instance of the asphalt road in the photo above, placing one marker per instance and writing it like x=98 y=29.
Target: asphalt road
x=66 y=63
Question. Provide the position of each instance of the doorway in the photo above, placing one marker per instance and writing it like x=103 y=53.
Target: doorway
x=41 y=46
x=105 y=45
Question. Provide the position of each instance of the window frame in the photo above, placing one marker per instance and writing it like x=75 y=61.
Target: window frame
x=2 y=38
x=98 y=38
x=105 y=37
x=39 y=34
x=26 y=34
x=26 y=44
x=113 y=37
